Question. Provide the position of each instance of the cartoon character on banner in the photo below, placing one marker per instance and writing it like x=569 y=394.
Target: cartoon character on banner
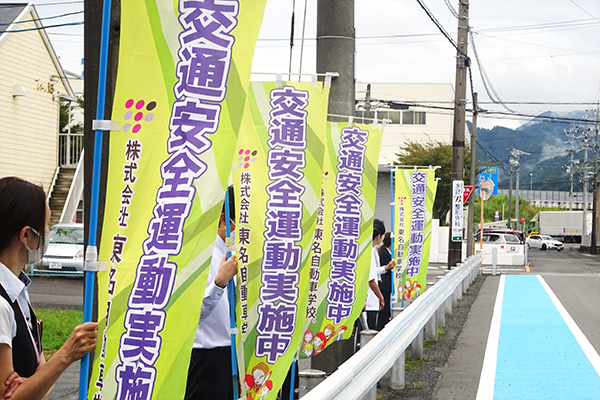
x=328 y=333
x=258 y=384
x=308 y=343
x=340 y=333
x=411 y=286
x=319 y=342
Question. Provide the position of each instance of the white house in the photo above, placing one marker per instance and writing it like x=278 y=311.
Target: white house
x=32 y=83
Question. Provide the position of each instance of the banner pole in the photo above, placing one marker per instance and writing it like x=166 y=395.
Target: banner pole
x=231 y=298
x=293 y=376
x=90 y=276
x=392 y=222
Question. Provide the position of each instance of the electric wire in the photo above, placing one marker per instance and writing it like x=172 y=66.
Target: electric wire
x=487 y=84
x=440 y=27
x=42 y=19
x=39 y=28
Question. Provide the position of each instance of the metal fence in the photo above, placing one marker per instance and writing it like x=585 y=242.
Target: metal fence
x=357 y=378
x=70 y=146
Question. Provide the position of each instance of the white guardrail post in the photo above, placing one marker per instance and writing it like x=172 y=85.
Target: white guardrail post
x=357 y=377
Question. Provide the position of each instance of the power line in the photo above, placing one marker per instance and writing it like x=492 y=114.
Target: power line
x=43 y=27
x=40 y=19
x=487 y=84
x=440 y=27
x=584 y=10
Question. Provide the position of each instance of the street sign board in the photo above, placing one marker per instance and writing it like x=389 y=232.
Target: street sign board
x=467 y=193
x=492 y=174
x=458 y=188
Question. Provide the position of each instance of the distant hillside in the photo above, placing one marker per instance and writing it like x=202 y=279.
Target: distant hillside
x=544 y=139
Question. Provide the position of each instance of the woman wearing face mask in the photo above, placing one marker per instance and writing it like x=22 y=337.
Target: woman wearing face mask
x=24 y=373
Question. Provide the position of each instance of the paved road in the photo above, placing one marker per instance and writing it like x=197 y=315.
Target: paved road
x=575 y=280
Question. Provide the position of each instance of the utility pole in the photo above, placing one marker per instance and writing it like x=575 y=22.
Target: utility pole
x=472 y=180
x=596 y=182
x=460 y=100
x=335 y=53
x=514 y=157
x=510 y=186
x=586 y=145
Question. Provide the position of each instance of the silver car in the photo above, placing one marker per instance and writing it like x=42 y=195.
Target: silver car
x=65 y=251
x=544 y=242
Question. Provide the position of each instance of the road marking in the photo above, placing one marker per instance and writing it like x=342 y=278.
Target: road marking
x=485 y=391
x=583 y=341
x=535 y=349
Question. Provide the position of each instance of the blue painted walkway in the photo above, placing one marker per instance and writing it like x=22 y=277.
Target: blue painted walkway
x=541 y=353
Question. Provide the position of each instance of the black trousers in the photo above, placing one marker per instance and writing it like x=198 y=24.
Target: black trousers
x=209 y=375
x=372 y=319
x=386 y=312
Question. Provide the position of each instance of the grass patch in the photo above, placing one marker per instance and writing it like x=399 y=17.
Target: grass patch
x=58 y=325
x=410 y=364
x=441 y=331
x=417 y=385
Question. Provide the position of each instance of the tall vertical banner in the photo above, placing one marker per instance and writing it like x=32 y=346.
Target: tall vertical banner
x=183 y=75
x=340 y=257
x=414 y=196
x=277 y=180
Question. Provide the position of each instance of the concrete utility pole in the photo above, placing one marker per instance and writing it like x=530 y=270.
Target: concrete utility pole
x=473 y=177
x=596 y=182
x=515 y=155
x=510 y=186
x=335 y=52
x=586 y=145
x=460 y=100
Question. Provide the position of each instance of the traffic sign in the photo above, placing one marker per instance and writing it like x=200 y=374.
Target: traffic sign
x=467 y=193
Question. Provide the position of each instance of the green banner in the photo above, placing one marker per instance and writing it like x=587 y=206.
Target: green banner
x=183 y=75
x=340 y=257
x=414 y=195
x=277 y=180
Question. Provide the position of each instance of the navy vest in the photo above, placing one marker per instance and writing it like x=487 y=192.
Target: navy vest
x=24 y=357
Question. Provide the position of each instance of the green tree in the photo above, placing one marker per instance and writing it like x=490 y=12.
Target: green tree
x=64 y=116
x=435 y=154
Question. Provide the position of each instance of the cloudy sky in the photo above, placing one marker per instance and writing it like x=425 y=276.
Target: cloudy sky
x=533 y=51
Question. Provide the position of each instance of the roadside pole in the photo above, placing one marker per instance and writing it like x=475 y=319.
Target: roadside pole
x=472 y=179
x=335 y=53
x=458 y=137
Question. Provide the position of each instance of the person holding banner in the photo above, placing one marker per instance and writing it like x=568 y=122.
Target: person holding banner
x=375 y=300
x=385 y=284
x=24 y=372
x=209 y=373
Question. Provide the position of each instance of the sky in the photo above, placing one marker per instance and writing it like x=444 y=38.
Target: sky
x=545 y=52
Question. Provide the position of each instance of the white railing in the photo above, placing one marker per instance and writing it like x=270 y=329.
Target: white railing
x=358 y=376
x=74 y=196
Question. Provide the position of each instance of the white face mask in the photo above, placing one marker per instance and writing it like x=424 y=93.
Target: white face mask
x=35 y=256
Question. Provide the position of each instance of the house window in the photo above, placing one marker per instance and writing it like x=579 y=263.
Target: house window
x=420 y=118
x=414 y=118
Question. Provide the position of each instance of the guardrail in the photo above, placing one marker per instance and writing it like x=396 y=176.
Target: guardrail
x=358 y=376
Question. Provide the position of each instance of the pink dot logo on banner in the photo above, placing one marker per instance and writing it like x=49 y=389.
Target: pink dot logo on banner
x=246 y=157
x=139 y=116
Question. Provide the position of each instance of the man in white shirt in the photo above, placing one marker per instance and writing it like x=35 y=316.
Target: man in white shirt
x=210 y=374
x=375 y=300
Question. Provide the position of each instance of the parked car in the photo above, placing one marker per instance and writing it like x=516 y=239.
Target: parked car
x=544 y=242
x=65 y=249
x=496 y=230
x=508 y=242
